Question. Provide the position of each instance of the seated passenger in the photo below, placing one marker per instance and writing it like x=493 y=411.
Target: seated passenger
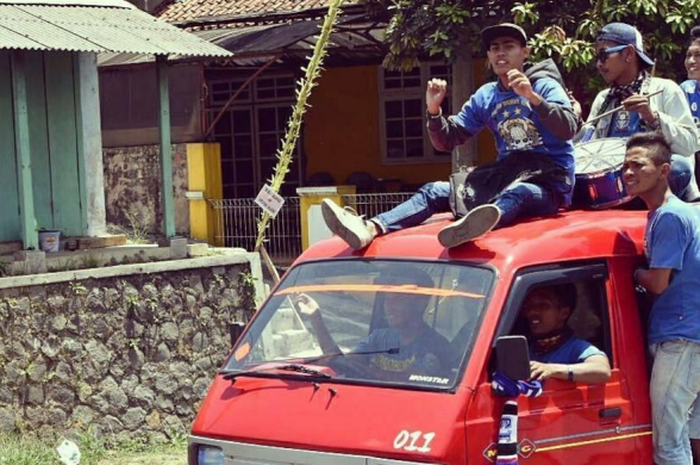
x=407 y=346
x=529 y=114
x=554 y=351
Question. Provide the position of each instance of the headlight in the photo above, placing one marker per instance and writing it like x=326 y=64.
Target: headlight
x=208 y=455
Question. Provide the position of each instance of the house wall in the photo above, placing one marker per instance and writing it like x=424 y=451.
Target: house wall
x=342 y=132
x=10 y=227
x=342 y=135
x=54 y=142
x=133 y=188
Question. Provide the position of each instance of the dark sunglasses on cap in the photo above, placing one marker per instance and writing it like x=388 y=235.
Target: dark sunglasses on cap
x=602 y=56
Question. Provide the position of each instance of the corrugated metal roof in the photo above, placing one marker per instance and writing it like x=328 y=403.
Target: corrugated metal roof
x=253 y=45
x=99 y=30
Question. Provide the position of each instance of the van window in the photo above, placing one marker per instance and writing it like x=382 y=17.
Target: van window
x=589 y=319
x=379 y=321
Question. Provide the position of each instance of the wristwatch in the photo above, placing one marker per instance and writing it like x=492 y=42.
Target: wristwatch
x=570 y=376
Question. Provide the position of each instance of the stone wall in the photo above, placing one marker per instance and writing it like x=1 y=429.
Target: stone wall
x=133 y=192
x=124 y=350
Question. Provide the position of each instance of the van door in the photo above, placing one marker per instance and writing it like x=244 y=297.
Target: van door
x=572 y=423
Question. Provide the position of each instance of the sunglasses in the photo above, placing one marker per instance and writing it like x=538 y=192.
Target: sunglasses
x=602 y=56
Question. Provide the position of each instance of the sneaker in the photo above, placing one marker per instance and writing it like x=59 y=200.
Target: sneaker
x=346 y=224
x=476 y=223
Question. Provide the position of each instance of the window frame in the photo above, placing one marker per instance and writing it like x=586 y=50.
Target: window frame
x=562 y=273
x=402 y=94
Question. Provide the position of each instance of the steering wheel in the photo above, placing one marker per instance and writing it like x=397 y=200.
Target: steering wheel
x=349 y=367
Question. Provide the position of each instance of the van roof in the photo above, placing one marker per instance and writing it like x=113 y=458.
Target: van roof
x=573 y=235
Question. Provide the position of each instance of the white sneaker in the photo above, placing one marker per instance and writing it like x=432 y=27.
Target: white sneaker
x=476 y=223
x=346 y=225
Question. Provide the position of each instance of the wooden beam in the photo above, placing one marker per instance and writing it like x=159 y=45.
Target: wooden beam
x=30 y=236
x=166 y=156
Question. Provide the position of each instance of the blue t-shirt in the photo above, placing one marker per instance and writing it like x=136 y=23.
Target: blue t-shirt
x=692 y=93
x=429 y=354
x=672 y=240
x=517 y=127
x=572 y=351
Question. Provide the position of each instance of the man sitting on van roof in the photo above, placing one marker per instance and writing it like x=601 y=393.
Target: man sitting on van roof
x=529 y=114
x=554 y=351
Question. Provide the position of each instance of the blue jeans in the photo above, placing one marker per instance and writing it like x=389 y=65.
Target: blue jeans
x=674 y=389
x=517 y=201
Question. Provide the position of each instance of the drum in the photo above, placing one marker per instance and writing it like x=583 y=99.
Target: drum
x=599 y=182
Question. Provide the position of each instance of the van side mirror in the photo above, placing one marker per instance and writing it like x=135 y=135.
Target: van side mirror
x=235 y=330
x=513 y=357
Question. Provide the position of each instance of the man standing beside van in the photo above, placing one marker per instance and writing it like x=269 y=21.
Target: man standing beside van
x=531 y=117
x=672 y=247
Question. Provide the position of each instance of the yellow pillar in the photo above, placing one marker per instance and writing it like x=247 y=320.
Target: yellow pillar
x=204 y=182
x=313 y=228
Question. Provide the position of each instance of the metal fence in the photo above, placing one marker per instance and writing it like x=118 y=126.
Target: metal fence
x=237 y=222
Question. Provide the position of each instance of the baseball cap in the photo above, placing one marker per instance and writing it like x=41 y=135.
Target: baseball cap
x=491 y=33
x=624 y=34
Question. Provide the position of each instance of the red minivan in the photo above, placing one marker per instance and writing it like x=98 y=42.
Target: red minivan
x=284 y=397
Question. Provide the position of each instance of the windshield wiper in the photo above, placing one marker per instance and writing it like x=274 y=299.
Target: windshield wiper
x=393 y=350
x=301 y=368
x=295 y=367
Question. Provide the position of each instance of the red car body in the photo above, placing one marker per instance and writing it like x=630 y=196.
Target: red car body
x=570 y=423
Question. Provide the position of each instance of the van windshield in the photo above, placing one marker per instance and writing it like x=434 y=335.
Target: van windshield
x=368 y=321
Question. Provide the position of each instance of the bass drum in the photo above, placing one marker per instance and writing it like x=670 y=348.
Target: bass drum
x=599 y=182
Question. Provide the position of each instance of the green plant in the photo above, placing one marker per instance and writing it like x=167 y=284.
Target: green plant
x=306 y=85
x=77 y=288
x=3 y=267
x=89 y=261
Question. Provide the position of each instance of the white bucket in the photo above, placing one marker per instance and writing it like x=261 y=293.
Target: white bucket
x=50 y=240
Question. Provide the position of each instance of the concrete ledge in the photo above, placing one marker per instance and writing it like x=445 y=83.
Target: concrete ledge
x=141 y=268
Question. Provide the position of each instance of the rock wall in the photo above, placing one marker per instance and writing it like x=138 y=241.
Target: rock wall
x=124 y=350
x=133 y=192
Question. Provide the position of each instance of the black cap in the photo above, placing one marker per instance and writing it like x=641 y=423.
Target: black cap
x=489 y=34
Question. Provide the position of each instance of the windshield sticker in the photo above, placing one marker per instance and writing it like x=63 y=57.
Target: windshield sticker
x=414 y=441
x=399 y=289
x=242 y=351
x=429 y=379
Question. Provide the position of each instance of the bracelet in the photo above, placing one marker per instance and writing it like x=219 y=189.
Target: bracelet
x=570 y=375
x=431 y=116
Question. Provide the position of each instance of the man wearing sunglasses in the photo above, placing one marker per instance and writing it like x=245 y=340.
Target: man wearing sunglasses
x=621 y=60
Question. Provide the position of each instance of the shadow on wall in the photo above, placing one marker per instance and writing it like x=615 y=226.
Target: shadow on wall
x=132 y=189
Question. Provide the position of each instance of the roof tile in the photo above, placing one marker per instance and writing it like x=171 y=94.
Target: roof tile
x=184 y=10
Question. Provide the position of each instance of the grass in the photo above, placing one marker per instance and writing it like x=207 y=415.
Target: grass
x=34 y=450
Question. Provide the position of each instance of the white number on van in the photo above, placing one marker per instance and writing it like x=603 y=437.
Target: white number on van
x=410 y=440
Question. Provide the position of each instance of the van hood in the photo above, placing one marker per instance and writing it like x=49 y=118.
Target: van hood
x=338 y=418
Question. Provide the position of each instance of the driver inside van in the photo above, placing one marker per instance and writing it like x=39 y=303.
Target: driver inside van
x=407 y=346
x=554 y=351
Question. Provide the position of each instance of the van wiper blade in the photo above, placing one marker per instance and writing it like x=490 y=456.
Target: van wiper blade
x=393 y=350
x=295 y=367
x=301 y=368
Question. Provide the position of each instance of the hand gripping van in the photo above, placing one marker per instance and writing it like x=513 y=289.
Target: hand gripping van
x=321 y=377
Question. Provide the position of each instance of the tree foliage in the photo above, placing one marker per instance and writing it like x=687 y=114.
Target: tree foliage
x=562 y=29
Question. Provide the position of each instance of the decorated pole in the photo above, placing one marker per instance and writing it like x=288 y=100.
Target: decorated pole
x=305 y=85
